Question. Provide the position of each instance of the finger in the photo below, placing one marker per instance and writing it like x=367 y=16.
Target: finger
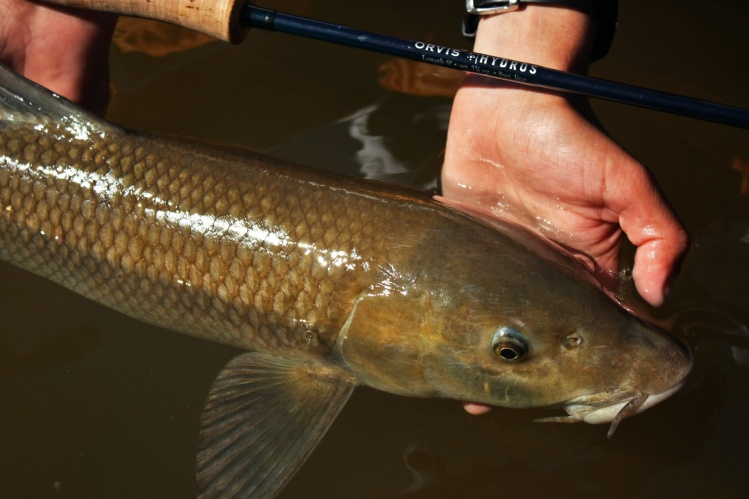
x=657 y=264
x=72 y=58
x=661 y=241
x=475 y=408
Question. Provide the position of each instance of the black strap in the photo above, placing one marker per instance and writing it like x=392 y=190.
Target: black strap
x=602 y=12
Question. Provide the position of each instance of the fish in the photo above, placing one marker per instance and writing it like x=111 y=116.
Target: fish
x=326 y=282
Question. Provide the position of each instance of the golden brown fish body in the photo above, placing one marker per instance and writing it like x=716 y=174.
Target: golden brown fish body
x=261 y=255
x=223 y=246
x=336 y=281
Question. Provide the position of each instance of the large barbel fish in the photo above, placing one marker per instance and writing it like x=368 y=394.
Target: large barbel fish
x=329 y=282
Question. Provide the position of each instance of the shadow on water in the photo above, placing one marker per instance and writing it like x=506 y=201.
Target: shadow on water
x=98 y=405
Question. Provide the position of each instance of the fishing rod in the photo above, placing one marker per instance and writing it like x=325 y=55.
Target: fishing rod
x=229 y=20
x=497 y=67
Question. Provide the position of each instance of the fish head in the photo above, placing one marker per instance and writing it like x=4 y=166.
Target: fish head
x=505 y=320
x=598 y=370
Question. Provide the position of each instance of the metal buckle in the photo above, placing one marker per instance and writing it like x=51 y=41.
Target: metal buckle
x=494 y=7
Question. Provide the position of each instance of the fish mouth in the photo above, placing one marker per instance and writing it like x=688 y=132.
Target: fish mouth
x=612 y=406
x=599 y=408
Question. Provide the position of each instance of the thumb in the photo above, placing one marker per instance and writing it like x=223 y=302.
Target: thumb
x=657 y=263
x=661 y=241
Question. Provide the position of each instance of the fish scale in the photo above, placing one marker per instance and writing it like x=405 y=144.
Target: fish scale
x=165 y=235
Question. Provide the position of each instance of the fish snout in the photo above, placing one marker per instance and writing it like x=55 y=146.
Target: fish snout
x=654 y=367
x=661 y=363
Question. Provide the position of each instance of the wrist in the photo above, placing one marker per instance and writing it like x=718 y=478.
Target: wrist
x=549 y=36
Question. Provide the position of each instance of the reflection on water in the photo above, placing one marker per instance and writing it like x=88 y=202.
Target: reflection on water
x=97 y=405
x=392 y=140
x=154 y=38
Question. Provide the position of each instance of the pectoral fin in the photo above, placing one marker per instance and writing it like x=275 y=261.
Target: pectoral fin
x=263 y=417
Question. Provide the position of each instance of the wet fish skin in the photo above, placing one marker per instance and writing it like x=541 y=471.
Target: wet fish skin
x=192 y=238
x=474 y=279
x=337 y=282
x=257 y=254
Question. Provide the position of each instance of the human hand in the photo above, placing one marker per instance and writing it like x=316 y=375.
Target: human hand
x=66 y=50
x=539 y=158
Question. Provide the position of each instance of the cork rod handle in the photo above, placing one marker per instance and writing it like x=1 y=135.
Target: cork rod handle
x=217 y=18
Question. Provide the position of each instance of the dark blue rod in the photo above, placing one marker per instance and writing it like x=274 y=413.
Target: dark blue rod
x=498 y=67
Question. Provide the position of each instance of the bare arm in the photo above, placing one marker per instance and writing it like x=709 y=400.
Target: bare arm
x=541 y=159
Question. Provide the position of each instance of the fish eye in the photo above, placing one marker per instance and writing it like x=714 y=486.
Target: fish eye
x=508 y=344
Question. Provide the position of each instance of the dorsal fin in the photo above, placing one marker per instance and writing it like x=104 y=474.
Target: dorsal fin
x=25 y=102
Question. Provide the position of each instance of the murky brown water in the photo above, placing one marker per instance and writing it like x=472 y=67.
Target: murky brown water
x=93 y=404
